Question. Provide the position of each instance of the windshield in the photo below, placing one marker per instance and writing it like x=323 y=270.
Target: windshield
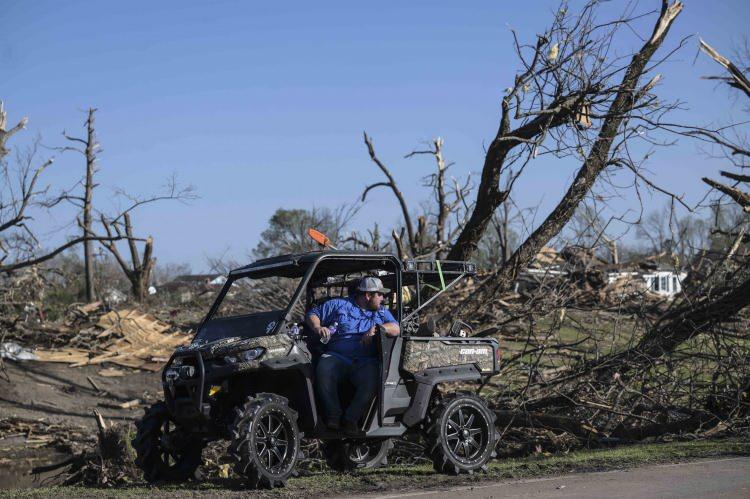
x=245 y=326
x=249 y=296
x=250 y=308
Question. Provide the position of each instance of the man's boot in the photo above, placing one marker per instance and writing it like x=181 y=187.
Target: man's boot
x=350 y=427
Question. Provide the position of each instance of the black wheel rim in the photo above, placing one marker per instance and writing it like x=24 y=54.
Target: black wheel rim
x=466 y=433
x=171 y=454
x=273 y=441
x=360 y=451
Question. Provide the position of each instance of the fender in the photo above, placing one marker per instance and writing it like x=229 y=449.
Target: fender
x=426 y=382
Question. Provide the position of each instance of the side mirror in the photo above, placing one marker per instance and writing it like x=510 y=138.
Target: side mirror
x=460 y=329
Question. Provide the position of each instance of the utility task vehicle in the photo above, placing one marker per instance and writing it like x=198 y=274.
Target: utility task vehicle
x=249 y=374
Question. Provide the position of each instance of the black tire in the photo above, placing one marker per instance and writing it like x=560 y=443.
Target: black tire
x=461 y=434
x=352 y=454
x=165 y=452
x=265 y=441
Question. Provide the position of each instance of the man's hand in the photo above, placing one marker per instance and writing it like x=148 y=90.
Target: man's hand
x=368 y=336
x=323 y=332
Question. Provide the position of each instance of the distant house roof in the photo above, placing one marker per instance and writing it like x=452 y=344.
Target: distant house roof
x=547 y=257
x=196 y=277
x=194 y=281
x=661 y=261
x=580 y=256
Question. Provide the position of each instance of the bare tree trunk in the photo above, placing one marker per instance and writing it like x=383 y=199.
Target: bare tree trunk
x=398 y=240
x=489 y=197
x=139 y=270
x=396 y=192
x=613 y=251
x=442 y=214
x=88 y=256
x=421 y=234
x=502 y=226
x=489 y=194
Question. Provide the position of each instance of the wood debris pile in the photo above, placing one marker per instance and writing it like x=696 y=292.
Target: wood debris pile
x=625 y=292
x=89 y=336
x=127 y=338
x=32 y=433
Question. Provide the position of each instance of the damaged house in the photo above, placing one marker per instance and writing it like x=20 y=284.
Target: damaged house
x=581 y=267
x=655 y=277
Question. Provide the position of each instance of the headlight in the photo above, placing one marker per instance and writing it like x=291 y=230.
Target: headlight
x=252 y=354
x=245 y=356
x=183 y=372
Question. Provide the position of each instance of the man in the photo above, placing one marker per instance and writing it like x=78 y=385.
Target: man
x=351 y=354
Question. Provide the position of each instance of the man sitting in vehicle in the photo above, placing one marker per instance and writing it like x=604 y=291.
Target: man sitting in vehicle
x=351 y=354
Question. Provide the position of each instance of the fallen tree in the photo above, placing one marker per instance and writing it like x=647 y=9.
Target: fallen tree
x=682 y=370
x=627 y=98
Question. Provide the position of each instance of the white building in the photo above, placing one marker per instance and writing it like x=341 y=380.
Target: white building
x=663 y=282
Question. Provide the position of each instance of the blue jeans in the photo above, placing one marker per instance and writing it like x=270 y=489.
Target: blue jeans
x=332 y=372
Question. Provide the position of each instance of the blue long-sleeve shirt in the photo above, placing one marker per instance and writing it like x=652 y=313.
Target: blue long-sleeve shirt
x=353 y=322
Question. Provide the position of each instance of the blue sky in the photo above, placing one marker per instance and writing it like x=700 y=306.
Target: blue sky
x=262 y=105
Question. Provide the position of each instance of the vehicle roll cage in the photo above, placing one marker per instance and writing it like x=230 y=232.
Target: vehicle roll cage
x=428 y=273
x=430 y=278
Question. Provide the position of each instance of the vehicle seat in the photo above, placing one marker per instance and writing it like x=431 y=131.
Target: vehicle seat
x=427 y=328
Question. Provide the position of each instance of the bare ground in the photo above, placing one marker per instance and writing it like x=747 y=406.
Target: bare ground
x=59 y=400
x=46 y=412
x=61 y=394
x=422 y=480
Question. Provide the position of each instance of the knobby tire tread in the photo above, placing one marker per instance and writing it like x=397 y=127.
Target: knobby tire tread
x=442 y=462
x=240 y=446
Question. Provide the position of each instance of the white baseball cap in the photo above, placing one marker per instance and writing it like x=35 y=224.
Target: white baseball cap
x=372 y=285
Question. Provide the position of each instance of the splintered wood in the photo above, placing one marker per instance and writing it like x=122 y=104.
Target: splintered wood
x=139 y=341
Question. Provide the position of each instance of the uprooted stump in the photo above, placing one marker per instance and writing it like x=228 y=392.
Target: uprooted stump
x=110 y=463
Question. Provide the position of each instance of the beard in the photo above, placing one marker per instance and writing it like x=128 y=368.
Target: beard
x=368 y=305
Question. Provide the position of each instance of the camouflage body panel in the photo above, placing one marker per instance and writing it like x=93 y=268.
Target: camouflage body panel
x=276 y=345
x=425 y=353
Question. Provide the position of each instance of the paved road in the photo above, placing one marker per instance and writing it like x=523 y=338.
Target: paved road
x=709 y=478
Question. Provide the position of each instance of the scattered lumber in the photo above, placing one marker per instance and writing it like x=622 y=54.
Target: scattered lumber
x=128 y=338
x=93 y=384
x=111 y=372
x=67 y=354
x=130 y=404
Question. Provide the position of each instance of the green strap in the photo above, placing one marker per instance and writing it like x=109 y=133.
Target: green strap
x=440 y=273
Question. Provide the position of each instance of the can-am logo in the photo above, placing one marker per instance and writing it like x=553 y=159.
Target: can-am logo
x=474 y=351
